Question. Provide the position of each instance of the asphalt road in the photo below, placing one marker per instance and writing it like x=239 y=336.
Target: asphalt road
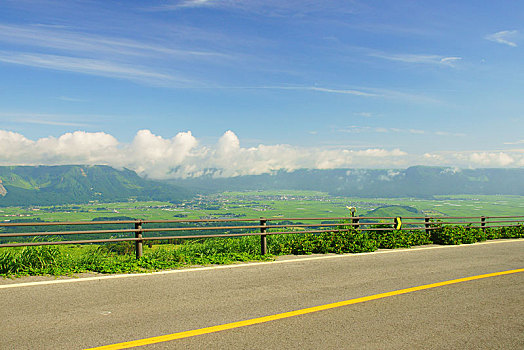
x=481 y=314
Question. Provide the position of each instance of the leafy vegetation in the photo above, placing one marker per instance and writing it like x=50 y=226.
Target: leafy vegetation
x=467 y=234
x=119 y=257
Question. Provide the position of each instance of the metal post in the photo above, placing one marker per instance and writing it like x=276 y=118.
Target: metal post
x=138 y=244
x=263 y=238
x=427 y=225
x=483 y=223
x=355 y=222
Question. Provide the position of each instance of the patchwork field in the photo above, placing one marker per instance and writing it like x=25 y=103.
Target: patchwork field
x=268 y=204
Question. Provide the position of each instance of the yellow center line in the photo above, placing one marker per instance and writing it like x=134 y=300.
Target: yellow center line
x=223 y=327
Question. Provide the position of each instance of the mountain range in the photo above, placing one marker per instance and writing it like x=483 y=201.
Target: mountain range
x=416 y=181
x=66 y=184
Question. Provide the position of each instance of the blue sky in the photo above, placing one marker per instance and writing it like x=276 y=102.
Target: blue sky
x=248 y=85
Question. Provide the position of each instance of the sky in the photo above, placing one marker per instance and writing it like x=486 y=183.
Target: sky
x=181 y=88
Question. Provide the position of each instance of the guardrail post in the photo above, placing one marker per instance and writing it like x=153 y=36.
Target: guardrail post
x=427 y=225
x=355 y=222
x=138 y=244
x=483 y=223
x=263 y=238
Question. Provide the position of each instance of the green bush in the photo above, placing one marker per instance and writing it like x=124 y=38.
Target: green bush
x=352 y=241
x=400 y=238
x=462 y=235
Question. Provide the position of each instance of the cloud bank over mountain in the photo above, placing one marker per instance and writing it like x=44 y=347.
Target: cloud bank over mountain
x=184 y=156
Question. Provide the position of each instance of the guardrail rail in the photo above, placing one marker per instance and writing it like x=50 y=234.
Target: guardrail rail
x=265 y=227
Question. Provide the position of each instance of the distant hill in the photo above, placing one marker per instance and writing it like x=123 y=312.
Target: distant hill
x=417 y=181
x=394 y=210
x=53 y=185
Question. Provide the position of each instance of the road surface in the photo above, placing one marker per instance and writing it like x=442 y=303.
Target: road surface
x=484 y=313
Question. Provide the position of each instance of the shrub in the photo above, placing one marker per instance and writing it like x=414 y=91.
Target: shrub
x=458 y=235
x=351 y=241
x=400 y=238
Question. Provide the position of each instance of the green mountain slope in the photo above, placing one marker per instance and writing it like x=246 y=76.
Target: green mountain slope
x=394 y=210
x=51 y=185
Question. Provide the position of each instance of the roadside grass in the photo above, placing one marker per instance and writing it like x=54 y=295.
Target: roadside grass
x=119 y=257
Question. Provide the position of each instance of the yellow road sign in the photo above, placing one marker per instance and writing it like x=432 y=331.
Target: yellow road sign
x=398 y=223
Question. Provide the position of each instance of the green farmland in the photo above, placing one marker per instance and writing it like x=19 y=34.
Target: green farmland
x=254 y=204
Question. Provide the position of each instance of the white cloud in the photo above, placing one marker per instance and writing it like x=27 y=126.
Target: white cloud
x=391 y=174
x=155 y=156
x=519 y=142
x=505 y=37
x=182 y=155
x=473 y=159
x=77 y=147
x=491 y=159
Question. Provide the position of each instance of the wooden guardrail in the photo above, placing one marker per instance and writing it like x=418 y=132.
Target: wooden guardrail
x=263 y=225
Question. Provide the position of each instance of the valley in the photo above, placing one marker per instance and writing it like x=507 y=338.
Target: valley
x=254 y=204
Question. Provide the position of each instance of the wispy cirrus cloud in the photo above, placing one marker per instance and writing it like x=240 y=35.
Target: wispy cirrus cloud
x=418 y=58
x=359 y=91
x=272 y=8
x=506 y=37
x=195 y=3
x=182 y=4
x=341 y=91
x=357 y=129
x=355 y=92
x=50 y=122
x=60 y=48
x=96 y=45
x=71 y=99
x=76 y=120
x=364 y=114
x=92 y=67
